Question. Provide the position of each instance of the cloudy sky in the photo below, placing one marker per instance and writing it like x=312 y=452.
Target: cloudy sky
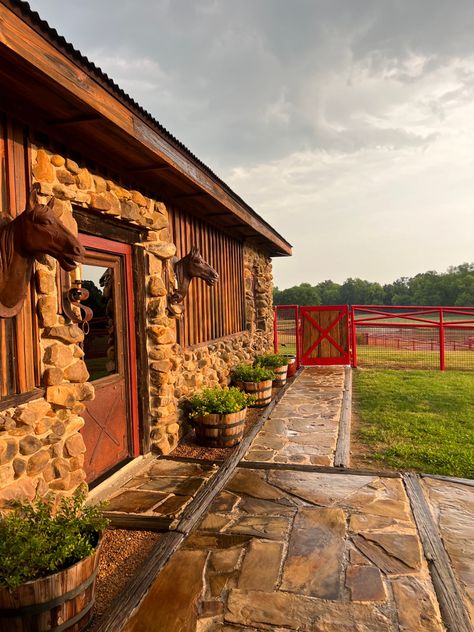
x=347 y=124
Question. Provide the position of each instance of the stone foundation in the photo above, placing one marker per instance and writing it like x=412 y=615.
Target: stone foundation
x=41 y=448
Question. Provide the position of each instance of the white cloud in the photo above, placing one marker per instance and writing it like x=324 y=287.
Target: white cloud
x=348 y=125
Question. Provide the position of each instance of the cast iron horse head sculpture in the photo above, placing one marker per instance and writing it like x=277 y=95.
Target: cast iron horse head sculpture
x=37 y=231
x=185 y=269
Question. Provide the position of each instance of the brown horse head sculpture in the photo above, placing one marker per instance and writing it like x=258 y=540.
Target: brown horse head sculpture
x=37 y=231
x=187 y=268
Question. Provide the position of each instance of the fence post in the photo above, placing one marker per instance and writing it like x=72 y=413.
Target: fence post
x=297 y=336
x=441 y=341
x=353 y=338
x=275 y=330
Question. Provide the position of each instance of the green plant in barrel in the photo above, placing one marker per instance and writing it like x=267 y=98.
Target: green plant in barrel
x=218 y=415
x=44 y=546
x=277 y=363
x=255 y=380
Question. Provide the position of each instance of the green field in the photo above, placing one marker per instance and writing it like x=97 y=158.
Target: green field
x=417 y=420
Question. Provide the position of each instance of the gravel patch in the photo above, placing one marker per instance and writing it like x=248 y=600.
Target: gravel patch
x=123 y=552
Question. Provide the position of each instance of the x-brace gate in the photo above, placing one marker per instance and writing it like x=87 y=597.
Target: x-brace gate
x=324 y=335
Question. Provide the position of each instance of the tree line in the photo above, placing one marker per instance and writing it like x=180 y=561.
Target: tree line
x=453 y=287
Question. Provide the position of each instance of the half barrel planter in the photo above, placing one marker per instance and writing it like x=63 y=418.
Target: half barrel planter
x=280 y=376
x=261 y=390
x=55 y=603
x=220 y=430
x=291 y=365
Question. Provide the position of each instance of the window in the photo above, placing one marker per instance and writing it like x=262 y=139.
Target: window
x=19 y=335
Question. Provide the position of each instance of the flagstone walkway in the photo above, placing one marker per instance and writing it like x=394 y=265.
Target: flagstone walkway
x=305 y=425
x=290 y=545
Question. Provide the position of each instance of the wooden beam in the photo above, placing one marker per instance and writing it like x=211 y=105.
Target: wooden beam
x=23 y=40
x=317 y=469
x=160 y=167
x=22 y=398
x=450 y=479
x=142 y=522
x=449 y=594
x=76 y=120
x=186 y=196
x=343 y=447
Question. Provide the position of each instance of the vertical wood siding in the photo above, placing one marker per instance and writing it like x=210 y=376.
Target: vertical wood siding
x=210 y=313
x=19 y=353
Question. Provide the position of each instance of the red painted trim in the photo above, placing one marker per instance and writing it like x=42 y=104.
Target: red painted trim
x=99 y=243
x=118 y=248
x=428 y=325
x=353 y=339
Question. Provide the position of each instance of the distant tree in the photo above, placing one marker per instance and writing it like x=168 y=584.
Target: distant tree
x=303 y=294
x=453 y=287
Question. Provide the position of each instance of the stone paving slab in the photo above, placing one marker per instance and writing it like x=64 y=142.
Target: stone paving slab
x=452 y=506
x=305 y=425
x=285 y=550
x=161 y=491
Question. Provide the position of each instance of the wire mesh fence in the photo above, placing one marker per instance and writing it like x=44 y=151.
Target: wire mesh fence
x=413 y=337
x=286 y=330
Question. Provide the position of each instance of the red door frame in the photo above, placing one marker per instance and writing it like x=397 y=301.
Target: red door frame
x=324 y=335
x=118 y=248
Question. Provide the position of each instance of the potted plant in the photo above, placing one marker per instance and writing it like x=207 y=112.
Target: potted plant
x=255 y=380
x=49 y=554
x=291 y=359
x=218 y=415
x=277 y=363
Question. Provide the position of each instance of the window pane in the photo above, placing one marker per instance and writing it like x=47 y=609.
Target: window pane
x=100 y=342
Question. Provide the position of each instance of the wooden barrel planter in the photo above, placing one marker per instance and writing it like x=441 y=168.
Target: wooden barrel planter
x=280 y=375
x=261 y=390
x=62 y=601
x=220 y=430
x=291 y=366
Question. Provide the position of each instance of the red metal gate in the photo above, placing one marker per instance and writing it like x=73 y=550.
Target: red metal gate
x=324 y=335
x=316 y=335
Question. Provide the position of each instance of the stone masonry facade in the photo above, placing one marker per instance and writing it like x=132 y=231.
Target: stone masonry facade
x=41 y=448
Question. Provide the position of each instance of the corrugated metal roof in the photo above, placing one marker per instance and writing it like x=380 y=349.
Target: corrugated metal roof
x=33 y=19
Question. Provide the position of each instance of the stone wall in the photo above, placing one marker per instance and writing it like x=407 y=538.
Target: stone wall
x=41 y=448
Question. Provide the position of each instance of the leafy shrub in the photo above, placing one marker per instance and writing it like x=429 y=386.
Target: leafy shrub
x=271 y=360
x=249 y=373
x=38 y=539
x=218 y=401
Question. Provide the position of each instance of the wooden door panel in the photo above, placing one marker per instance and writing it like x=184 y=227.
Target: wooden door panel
x=324 y=335
x=106 y=429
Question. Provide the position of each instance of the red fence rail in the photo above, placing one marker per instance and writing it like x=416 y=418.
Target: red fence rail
x=412 y=337
x=394 y=336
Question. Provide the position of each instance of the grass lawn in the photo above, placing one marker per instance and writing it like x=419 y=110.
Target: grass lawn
x=417 y=420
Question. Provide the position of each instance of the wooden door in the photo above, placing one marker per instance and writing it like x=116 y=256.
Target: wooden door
x=111 y=431
x=324 y=335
